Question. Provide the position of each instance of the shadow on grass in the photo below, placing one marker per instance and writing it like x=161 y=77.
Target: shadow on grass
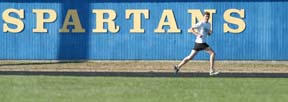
x=147 y=74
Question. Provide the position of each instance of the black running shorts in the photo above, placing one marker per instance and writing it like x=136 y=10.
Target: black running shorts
x=200 y=46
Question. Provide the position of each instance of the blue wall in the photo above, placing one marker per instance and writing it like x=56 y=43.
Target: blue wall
x=263 y=39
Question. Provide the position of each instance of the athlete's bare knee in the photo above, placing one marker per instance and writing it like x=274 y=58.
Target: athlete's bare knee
x=187 y=58
x=213 y=53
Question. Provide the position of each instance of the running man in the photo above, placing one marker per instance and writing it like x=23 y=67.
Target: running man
x=203 y=28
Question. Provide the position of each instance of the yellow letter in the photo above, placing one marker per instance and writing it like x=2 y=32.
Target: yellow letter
x=100 y=21
x=197 y=16
x=241 y=24
x=137 y=19
x=75 y=22
x=12 y=20
x=171 y=23
x=40 y=18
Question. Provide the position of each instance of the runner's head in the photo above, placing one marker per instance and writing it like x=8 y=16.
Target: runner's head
x=206 y=16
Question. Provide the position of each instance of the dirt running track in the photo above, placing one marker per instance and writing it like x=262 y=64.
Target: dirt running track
x=144 y=68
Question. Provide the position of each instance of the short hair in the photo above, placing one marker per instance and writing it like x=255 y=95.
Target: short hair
x=207 y=13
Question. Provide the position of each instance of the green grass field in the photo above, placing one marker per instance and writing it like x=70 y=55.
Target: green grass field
x=141 y=89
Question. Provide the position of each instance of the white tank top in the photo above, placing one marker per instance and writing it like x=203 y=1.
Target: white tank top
x=203 y=29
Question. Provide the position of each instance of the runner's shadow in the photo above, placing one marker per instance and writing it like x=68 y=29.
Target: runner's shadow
x=147 y=74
